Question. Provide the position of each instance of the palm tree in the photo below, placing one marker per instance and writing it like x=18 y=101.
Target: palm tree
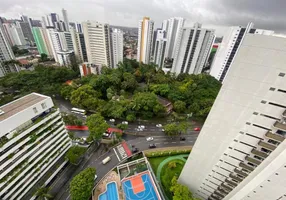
x=43 y=193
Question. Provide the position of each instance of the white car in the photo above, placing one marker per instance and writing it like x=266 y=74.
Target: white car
x=95 y=177
x=163 y=130
x=149 y=139
x=159 y=125
x=124 y=122
x=112 y=120
x=142 y=127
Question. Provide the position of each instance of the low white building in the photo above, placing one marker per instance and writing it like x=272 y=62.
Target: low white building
x=32 y=139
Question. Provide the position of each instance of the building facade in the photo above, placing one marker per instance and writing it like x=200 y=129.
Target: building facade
x=33 y=138
x=228 y=48
x=240 y=152
x=192 y=49
x=27 y=32
x=145 y=40
x=97 y=41
x=78 y=45
x=160 y=48
x=116 y=47
x=66 y=20
x=42 y=41
x=14 y=33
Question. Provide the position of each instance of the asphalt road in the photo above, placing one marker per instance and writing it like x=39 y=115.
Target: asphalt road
x=60 y=188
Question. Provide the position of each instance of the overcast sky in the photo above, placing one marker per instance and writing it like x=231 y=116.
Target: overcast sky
x=217 y=14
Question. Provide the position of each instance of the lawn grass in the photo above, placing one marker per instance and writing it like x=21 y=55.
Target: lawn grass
x=155 y=162
x=167 y=175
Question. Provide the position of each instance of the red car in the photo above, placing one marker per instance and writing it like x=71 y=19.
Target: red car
x=197 y=129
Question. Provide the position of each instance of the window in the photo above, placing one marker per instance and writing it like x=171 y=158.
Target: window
x=35 y=110
x=44 y=105
x=281 y=74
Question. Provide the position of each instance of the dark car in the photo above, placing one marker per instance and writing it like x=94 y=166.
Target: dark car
x=182 y=138
x=135 y=150
x=151 y=146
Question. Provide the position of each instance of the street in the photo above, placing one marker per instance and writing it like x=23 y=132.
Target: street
x=60 y=188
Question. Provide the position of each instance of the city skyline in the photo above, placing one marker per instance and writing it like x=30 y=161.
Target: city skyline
x=212 y=14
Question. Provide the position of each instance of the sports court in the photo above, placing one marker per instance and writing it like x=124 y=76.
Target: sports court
x=140 y=187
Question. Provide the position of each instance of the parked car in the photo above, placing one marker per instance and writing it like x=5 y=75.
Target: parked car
x=182 y=138
x=135 y=150
x=151 y=146
x=95 y=177
x=124 y=122
x=163 y=130
x=112 y=120
x=159 y=125
x=149 y=139
x=142 y=127
x=197 y=129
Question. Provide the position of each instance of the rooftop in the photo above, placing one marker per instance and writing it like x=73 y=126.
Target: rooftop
x=21 y=104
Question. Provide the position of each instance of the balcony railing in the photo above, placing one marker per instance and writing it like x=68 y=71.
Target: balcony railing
x=252 y=160
x=213 y=197
x=240 y=172
x=231 y=183
x=222 y=191
x=276 y=137
x=247 y=167
x=259 y=153
x=280 y=126
x=218 y=194
x=267 y=145
x=226 y=187
x=235 y=178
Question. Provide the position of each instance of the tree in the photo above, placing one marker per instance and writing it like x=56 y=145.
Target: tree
x=96 y=125
x=172 y=165
x=82 y=184
x=74 y=154
x=129 y=82
x=183 y=126
x=43 y=193
x=131 y=117
x=180 y=191
x=180 y=106
x=72 y=120
x=44 y=57
x=66 y=91
x=122 y=126
x=172 y=129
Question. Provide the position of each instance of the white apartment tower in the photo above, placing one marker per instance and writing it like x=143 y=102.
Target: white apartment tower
x=97 y=41
x=241 y=150
x=78 y=44
x=192 y=49
x=228 y=48
x=66 y=20
x=172 y=27
x=145 y=37
x=160 y=48
x=32 y=139
x=116 y=47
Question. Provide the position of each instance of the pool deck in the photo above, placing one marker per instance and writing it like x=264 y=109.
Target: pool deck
x=101 y=187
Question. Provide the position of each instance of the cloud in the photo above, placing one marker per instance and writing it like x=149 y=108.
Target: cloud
x=212 y=13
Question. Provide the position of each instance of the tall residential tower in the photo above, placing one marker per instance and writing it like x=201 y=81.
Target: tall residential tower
x=116 y=47
x=145 y=37
x=241 y=150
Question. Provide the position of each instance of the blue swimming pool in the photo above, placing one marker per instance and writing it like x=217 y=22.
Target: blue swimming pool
x=111 y=192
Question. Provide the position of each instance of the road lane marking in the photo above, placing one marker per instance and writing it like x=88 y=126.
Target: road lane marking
x=116 y=154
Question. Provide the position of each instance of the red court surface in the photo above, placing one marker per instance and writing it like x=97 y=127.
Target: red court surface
x=77 y=128
x=126 y=148
x=137 y=184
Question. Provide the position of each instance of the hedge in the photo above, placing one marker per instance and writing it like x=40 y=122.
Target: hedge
x=166 y=153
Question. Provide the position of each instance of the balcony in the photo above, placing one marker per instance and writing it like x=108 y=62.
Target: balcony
x=233 y=184
x=240 y=172
x=284 y=114
x=252 y=160
x=226 y=187
x=276 y=137
x=247 y=167
x=259 y=153
x=222 y=191
x=218 y=194
x=213 y=197
x=235 y=178
x=267 y=145
x=280 y=126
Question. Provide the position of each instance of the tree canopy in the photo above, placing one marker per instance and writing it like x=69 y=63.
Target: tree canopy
x=74 y=153
x=180 y=191
x=96 y=125
x=82 y=184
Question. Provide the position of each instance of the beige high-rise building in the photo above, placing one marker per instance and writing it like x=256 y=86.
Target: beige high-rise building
x=240 y=152
x=145 y=37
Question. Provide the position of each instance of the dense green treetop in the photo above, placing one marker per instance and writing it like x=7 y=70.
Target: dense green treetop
x=180 y=191
x=82 y=184
x=74 y=153
x=96 y=125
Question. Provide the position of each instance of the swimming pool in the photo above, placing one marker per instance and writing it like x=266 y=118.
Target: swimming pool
x=111 y=192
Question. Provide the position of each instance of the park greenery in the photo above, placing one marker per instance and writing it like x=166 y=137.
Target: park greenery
x=176 y=128
x=180 y=191
x=82 y=184
x=132 y=90
x=72 y=120
x=96 y=126
x=74 y=154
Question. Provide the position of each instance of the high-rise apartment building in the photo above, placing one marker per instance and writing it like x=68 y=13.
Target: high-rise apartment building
x=160 y=48
x=228 y=48
x=192 y=49
x=6 y=54
x=145 y=40
x=116 y=47
x=66 y=20
x=172 y=27
x=27 y=32
x=240 y=152
x=78 y=45
x=42 y=41
x=14 y=33
x=97 y=41
x=32 y=139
